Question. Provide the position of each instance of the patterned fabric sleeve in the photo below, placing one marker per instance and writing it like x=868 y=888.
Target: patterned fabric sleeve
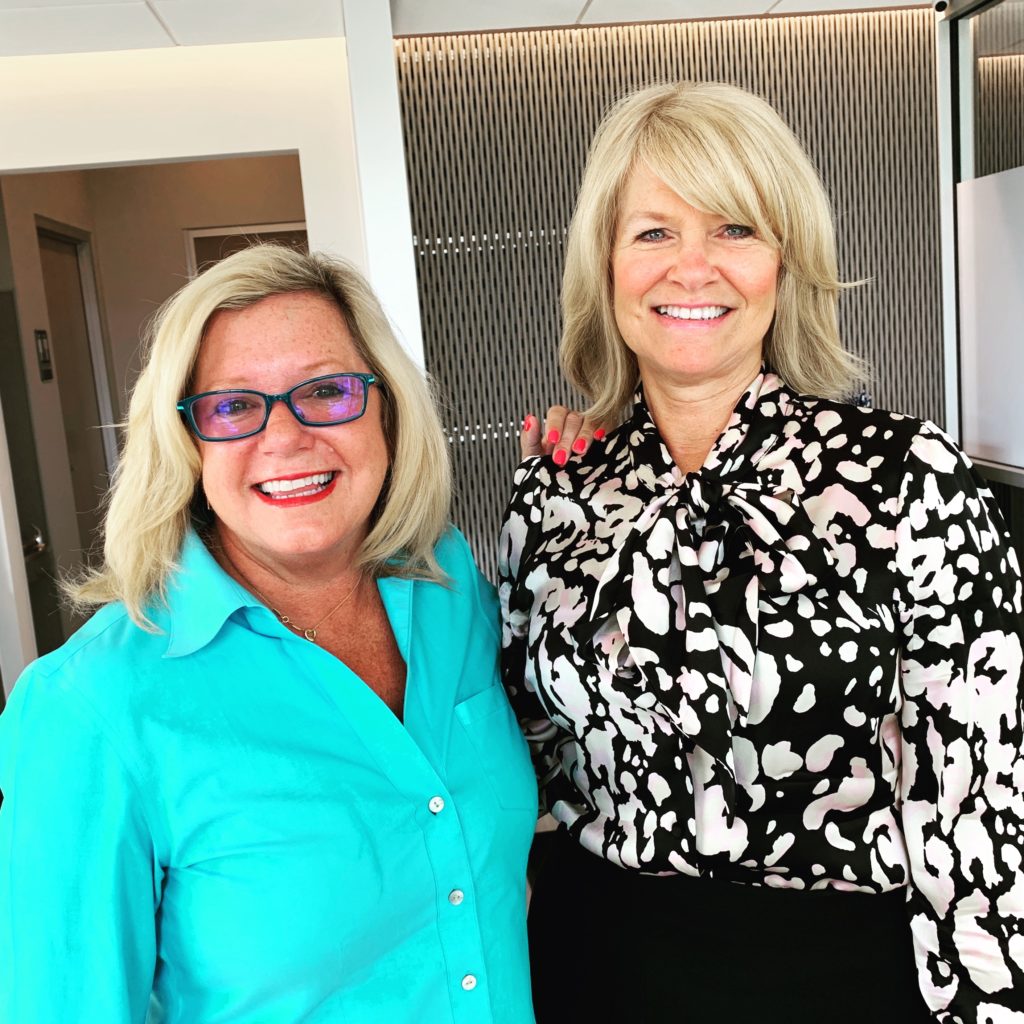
x=962 y=781
x=520 y=526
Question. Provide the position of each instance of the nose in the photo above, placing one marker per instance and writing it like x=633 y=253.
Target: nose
x=283 y=432
x=693 y=263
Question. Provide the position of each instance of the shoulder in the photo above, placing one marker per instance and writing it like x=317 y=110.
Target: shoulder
x=841 y=423
x=537 y=479
x=454 y=554
x=81 y=696
x=860 y=449
x=532 y=476
x=108 y=642
x=99 y=677
x=465 y=581
x=932 y=447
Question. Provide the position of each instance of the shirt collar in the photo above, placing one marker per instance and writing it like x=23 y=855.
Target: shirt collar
x=201 y=597
x=752 y=430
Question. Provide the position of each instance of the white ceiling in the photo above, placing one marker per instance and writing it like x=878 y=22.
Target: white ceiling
x=74 y=26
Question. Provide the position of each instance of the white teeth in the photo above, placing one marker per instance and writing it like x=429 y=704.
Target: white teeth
x=693 y=312
x=299 y=484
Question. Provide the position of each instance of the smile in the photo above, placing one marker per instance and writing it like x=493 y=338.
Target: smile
x=692 y=312
x=297 y=487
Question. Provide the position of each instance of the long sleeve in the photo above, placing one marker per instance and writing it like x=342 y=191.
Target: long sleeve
x=522 y=517
x=79 y=884
x=962 y=782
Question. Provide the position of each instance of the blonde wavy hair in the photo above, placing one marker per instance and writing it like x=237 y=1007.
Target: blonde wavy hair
x=726 y=151
x=156 y=490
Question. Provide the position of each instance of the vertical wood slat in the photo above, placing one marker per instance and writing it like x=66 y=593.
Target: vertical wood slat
x=497 y=126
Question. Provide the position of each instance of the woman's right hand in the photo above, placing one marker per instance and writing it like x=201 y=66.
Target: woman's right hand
x=563 y=432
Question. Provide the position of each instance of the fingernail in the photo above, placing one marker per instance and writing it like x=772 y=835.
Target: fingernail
x=579 y=445
x=528 y=422
x=553 y=436
x=599 y=434
x=560 y=456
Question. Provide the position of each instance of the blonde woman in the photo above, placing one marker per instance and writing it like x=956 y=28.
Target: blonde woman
x=275 y=777
x=766 y=646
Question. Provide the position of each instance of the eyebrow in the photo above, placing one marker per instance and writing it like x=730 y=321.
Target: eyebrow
x=645 y=215
x=311 y=371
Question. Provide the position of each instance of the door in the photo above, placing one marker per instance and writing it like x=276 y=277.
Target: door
x=76 y=379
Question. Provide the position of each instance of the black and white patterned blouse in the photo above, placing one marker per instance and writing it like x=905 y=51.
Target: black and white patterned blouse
x=798 y=667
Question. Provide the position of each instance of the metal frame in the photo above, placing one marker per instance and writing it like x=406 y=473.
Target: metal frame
x=955 y=33
x=948 y=156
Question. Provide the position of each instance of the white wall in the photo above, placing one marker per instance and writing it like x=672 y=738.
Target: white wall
x=186 y=103
x=140 y=214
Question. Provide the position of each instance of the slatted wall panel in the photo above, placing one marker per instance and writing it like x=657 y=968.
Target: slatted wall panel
x=999 y=122
x=496 y=130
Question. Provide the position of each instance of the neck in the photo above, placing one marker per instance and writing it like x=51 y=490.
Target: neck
x=690 y=417
x=302 y=596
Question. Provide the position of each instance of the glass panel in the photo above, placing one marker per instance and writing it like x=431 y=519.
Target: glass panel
x=999 y=88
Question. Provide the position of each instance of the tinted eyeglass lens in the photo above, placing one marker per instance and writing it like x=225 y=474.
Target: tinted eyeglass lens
x=331 y=399
x=229 y=414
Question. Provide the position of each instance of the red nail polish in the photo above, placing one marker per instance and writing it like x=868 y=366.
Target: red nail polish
x=560 y=457
x=579 y=445
x=528 y=422
x=553 y=436
x=599 y=434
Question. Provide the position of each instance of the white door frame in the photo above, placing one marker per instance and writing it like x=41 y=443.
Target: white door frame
x=101 y=363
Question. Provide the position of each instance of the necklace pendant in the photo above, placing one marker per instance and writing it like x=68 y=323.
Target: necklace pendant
x=310 y=635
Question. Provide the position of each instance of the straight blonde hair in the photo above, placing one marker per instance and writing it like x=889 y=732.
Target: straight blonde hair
x=156 y=490
x=725 y=151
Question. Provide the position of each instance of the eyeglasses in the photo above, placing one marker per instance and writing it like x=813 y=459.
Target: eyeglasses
x=320 y=402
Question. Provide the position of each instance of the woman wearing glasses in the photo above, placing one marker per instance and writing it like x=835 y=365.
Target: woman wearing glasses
x=262 y=782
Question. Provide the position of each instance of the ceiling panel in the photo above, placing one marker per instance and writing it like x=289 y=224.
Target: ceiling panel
x=13 y=5
x=609 y=12
x=79 y=28
x=202 y=22
x=423 y=17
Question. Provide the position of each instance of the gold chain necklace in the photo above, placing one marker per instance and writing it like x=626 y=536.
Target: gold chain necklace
x=310 y=633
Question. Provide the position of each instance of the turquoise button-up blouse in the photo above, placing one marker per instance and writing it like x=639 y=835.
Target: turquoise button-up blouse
x=221 y=823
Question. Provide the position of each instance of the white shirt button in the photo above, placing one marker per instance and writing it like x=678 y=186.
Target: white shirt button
x=436 y=805
x=456 y=896
x=469 y=982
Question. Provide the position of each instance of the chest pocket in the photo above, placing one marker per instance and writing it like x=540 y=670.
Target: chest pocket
x=501 y=752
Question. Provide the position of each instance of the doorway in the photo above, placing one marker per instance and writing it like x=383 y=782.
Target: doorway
x=73 y=310
x=73 y=360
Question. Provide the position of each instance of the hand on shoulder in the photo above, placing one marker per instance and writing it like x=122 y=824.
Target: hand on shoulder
x=563 y=433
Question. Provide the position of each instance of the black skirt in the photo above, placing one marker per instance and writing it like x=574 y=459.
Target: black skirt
x=608 y=944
